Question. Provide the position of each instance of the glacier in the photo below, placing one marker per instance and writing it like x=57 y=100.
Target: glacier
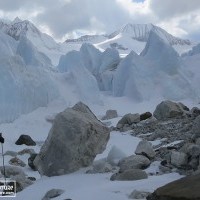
x=36 y=70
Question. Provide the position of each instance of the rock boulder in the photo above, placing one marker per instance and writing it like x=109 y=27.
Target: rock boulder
x=168 y=109
x=186 y=188
x=74 y=140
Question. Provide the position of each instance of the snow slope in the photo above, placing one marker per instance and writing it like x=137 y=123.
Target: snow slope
x=79 y=185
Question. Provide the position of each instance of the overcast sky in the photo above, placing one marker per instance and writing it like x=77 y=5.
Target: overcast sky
x=69 y=18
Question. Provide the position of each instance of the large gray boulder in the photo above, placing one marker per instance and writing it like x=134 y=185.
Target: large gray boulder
x=168 y=109
x=74 y=140
x=183 y=189
x=145 y=148
x=134 y=162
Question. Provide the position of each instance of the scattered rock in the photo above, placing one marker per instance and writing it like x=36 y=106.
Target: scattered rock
x=10 y=153
x=145 y=116
x=25 y=139
x=128 y=119
x=168 y=109
x=196 y=127
x=198 y=141
x=195 y=111
x=134 y=162
x=191 y=149
x=129 y=175
x=145 y=148
x=186 y=188
x=110 y=114
x=12 y=171
x=21 y=182
x=31 y=178
x=75 y=139
x=18 y=175
x=26 y=151
x=136 y=194
x=30 y=161
x=115 y=155
x=178 y=159
x=52 y=194
x=17 y=162
x=184 y=107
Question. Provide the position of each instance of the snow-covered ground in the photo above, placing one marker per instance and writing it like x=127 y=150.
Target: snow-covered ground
x=79 y=185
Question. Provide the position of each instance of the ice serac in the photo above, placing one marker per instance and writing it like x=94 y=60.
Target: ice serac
x=42 y=42
x=98 y=65
x=30 y=54
x=109 y=61
x=85 y=83
x=91 y=57
x=124 y=81
x=159 y=51
x=23 y=87
x=7 y=46
x=155 y=73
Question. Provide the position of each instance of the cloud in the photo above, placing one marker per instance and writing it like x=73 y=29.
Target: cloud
x=167 y=9
x=85 y=14
x=63 y=17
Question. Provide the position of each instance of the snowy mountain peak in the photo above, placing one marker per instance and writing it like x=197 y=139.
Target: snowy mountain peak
x=140 y=32
x=16 y=20
x=19 y=28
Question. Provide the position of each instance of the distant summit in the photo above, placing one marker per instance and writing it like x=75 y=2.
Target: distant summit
x=141 y=33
